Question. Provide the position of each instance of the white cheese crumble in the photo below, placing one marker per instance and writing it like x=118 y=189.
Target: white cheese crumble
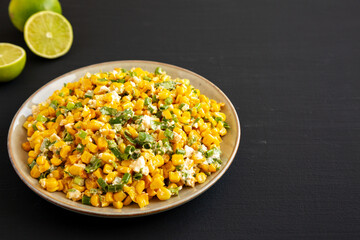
x=35 y=109
x=185 y=107
x=104 y=89
x=115 y=98
x=189 y=151
x=92 y=103
x=146 y=121
x=139 y=165
x=74 y=195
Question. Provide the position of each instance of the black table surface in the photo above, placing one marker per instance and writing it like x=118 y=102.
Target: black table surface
x=291 y=69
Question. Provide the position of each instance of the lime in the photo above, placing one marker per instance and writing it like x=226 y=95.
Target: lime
x=48 y=34
x=12 y=61
x=21 y=10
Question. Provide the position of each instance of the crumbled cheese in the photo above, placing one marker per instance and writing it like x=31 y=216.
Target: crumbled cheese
x=117 y=180
x=114 y=72
x=146 y=121
x=115 y=98
x=189 y=151
x=199 y=155
x=196 y=125
x=185 y=107
x=135 y=79
x=139 y=165
x=187 y=173
x=35 y=109
x=43 y=182
x=104 y=89
x=74 y=195
x=132 y=84
x=69 y=125
x=92 y=103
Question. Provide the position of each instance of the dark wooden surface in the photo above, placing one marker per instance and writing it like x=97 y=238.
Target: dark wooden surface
x=291 y=68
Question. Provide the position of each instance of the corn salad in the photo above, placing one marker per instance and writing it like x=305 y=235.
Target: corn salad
x=113 y=138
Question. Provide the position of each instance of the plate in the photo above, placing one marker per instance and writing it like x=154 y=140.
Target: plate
x=17 y=135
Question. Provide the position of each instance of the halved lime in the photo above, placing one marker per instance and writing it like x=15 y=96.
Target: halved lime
x=12 y=61
x=48 y=34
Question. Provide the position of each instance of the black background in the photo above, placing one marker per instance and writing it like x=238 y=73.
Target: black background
x=291 y=68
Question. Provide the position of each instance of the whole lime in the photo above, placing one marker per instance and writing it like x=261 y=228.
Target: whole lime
x=21 y=10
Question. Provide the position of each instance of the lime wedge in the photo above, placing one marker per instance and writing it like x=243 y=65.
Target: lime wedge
x=12 y=61
x=48 y=34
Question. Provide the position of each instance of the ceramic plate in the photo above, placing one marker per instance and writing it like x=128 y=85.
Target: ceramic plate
x=17 y=135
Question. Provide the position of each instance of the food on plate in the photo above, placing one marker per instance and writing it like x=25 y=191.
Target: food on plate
x=113 y=138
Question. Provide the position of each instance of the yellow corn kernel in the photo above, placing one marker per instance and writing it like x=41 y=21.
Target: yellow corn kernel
x=109 y=197
x=30 y=160
x=95 y=200
x=223 y=131
x=55 y=161
x=212 y=168
x=163 y=193
x=35 y=173
x=122 y=147
x=172 y=185
x=86 y=157
x=107 y=168
x=130 y=191
x=92 y=147
x=164 y=94
x=204 y=167
x=95 y=125
x=110 y=177
x=139 y=104
x=52 y=184
x=107 y=157
x=32 y=154
x=133 y=132
x=140 y=186
x=44 y=167
x=119 y=196
x=174 y=177
x=41 y=160
x=26 y=146
x=102 y=143
x=73 y=158
x=167 y=114
x=142 y=200
x=56 y=174
x=177 y=159
x=40 y=126
x=118 y=204
x=122 y=169
x=65 y=151
x=156 y=183
x=187 y=128
x=126 y=163
x=127 y=201
x=75 y=170
x=201 y=177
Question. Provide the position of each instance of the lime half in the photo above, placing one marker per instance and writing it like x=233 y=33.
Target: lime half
x=12 y=61
x=48 y=34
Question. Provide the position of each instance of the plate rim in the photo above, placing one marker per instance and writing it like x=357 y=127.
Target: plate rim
x=120 y=214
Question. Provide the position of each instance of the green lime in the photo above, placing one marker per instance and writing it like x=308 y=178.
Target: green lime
x=12 y=61
x=21 y=10
x=48 y=34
